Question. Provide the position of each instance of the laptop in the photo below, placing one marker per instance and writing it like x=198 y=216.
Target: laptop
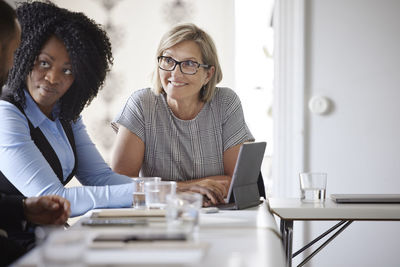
x=366 y=198
x=243 y=191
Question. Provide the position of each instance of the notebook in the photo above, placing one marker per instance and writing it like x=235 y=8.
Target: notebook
x=243 y=191
x=366 y=198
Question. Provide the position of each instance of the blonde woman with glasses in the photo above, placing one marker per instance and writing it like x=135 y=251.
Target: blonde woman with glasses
x=184 y=129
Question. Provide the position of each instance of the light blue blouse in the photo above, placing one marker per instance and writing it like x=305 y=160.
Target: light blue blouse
x=26 y=168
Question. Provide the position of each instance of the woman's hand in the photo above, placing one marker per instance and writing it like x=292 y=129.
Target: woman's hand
x=213 y=191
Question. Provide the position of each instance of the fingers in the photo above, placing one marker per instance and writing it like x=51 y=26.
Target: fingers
x=49 y=202
x=207 y=202
x=59 y=208
x=213 y=191
x=59 y=202
x=213 y=197
x=221 y=187
x=216 y=189
x=218 y=186
x=45 y=203
x=61 y=219
x=65 y=208
x=210 y=197
x=61 y=216
x=225 y=184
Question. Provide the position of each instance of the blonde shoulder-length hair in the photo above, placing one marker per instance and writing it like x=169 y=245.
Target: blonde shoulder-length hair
x=190 y=32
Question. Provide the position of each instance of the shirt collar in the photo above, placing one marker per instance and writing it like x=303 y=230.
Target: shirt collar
x=33 y=112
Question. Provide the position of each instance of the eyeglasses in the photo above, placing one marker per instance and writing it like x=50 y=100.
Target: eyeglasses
x=187 y=67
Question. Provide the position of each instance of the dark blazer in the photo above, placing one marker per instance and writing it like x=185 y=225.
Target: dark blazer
x=12 y=219
x=12 y=212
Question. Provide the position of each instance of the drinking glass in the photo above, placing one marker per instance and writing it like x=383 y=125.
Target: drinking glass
x=156 y=193
x=313 y=186
x=183 y=209
x=139 y=198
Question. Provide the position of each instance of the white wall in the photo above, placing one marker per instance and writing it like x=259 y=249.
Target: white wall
x=353 y=58
x=254 y=72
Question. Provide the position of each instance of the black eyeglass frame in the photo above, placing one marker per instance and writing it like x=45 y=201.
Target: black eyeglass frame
x=180 y=66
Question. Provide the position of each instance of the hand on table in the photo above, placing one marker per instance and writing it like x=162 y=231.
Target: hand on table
x=47 y=210
x=213 y=191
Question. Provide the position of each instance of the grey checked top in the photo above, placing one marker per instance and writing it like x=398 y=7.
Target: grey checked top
x=178 y=149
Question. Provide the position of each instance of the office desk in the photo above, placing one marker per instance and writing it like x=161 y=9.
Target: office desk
x=289 y=210
x=233 y=238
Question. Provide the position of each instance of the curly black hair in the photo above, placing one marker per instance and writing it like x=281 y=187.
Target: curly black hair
x=88 y=46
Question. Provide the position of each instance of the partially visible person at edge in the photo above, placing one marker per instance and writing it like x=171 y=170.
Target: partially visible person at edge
x=16 y=210
x=58 y=69
x=185 y=128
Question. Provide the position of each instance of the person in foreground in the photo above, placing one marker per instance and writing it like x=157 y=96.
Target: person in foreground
x=184 y=129
x=17 y=210
x=58 y=69
x=18 y=213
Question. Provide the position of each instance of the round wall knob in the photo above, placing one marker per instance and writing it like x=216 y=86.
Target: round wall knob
x=318 y=105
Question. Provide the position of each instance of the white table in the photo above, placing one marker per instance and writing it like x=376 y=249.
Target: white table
x=232 y=238
x=293 y=209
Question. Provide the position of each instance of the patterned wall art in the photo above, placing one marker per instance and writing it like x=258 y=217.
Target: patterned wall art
x=114 y=83
x=177 y=11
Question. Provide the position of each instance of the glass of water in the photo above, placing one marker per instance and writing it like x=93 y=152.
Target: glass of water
x=139 y=200
x=183 y=210
x=313 y=186
x=156 y=193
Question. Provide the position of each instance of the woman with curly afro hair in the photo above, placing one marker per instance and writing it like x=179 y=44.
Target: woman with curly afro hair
x=59 y=68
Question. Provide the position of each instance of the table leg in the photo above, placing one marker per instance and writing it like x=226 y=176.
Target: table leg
x=287 y=239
